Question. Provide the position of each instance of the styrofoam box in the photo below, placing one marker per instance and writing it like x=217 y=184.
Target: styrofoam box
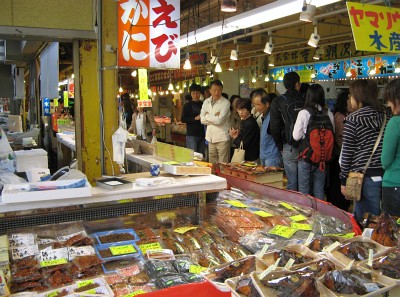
x=36 y=158
x=17 y=193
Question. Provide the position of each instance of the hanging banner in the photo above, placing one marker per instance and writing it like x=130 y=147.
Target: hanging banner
x=143 y=87
x=375 y=28
x=149 y=33
x=46 y=106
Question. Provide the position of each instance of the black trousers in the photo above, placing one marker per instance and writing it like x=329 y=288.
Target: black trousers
x=334 y=194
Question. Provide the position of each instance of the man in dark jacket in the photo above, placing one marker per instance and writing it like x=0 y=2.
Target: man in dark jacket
x=284 y=110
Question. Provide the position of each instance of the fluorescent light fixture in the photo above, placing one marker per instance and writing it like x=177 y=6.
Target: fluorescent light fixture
x=250 y=18
x=397 y=69
x=269 y=46
x=218 y=67
x=234 y=55
x=314 y=38
x=212 y=60
x=187 y=65
x=307 y=12
x=228 y=5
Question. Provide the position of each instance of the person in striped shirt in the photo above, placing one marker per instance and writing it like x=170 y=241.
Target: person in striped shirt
x=361 y=131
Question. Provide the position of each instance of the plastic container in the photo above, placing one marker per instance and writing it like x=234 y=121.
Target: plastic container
x=36 y=158
x=115 y=237
x=118 y=251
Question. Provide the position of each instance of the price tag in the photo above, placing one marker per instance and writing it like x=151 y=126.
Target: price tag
x=66 y=237
x=162 y=216
x=53 y=262
x=283 y=231
x=263 y=214
x=138 y=292
x=163 y=196
x=91 y=291
x=183 y=230
x=304 y=227
x=331 y=247
x=196 y=269
x=24 y=251
x=52 y=294
x=85 y=283
x=150 y=246
x=122 y=249
x=298 y=218
x=309 y=239
x=370 y=256
x=74 y=252
x=124 y=201
x=236 y=203
x=263 y=250
x=288 y=206
x=345 y=236
x=289 y=264
x=348 y=267
x=128 y=271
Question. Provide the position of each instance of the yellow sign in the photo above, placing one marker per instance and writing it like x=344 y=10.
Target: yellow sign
x=150 y=246
x=283 y=231
x=305 y=75
x=236 y=203
x=304 y=227
x=53 y=262
x=197 y=269
x=287 y=205
x=138 y=292
x=298 y=218
x=143 y=87
x=183 y=230
x=85 y=283
x=65 y=98
x=263 y=214
x=375 y=28
x=122 y=250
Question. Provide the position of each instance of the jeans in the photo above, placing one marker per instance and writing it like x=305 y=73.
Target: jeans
x=391 y=200
x=289 y=156
x=277 y=162
x=196 y=143
x=311 y=176
x=370 y=199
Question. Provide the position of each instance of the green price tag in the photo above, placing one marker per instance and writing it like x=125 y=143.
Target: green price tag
x=263 y=214
x=183 y=230
x=288 y=206
x=283 y=231
x=85 y=283
x=122 y=249
x=236 y=203
x=53 y=262
x=138 y=292
x=52 y=294
x=298 y=218
x=196 y=269
x=150 y=246
x=304 y=227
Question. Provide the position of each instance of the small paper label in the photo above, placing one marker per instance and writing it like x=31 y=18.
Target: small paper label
x=304 y=227
x=150 y=246
x=53 y=262
x=52 y=294
x=331 y=247
x=122 y=249
x=61 y=253
x=163 y=196
x=309 y=239
x=85 y=283
x=289 y=263
x=269 y=269
x=263 y=214
x=288 y=206
x=138 y=292
x=263 y=250
x=21 y=239
x=183 y=230
x=283 y=231
x=24 y=251
x=162 y=216
x=348 y=267
x=91 y=291
x=370 y=256
x=197 y=269
x=124 y=201
x=376 y=178
x=73 y=252
x=298 y=218
x=236 y=203
x=128 y=271
x=66 y=237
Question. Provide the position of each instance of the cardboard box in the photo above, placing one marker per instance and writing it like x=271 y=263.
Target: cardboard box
x=25 y=160
x=180 y=169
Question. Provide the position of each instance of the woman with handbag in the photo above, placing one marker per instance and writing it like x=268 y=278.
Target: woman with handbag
x=391 y=152
x=361 y=167
x=143 y=124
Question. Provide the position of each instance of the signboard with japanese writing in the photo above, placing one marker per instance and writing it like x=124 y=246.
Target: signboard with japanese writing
x=375 y=28
x=149 y=33
x=46 y=106
x=143 y=87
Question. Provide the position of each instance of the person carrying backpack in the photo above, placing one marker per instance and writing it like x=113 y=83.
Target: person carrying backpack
x=284 y=110
x=314 y=128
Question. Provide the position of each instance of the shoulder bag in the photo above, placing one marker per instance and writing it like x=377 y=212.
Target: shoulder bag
x=355 y=180
x=238 y=155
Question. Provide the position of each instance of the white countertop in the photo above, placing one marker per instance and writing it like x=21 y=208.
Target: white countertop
x=67 y=139
x=183 y=185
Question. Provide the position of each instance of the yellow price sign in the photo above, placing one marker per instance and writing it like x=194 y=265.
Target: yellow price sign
x=298 y=218
x=287 y=205
x=122 y=249
x=346 y=236
x=196 y=269
x=53 y=294
x=304 y=227
x=263 y=214
x=138 y=292
x=183 y=230
x=150 y=246
x=236 y=203
x=283 y=231
x=162 y=216
x=163 y=196
x=53 y=262
x=85 y=283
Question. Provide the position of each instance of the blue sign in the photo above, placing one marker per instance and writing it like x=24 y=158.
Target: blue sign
x=46 y=106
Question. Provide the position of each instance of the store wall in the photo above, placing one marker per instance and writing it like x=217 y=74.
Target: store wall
x=6 y=84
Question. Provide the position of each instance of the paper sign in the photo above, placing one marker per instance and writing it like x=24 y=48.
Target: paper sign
x=149 y=246
x=298 y=218
x=304 y=227
x=85 y=283
x=53 y=294
x=236 y=203
x=283 y=231
x=122 y=249
x=263 y=214
x=287 y=205
x=347 y=235
x=138 y=292
x=183 y=230
x=197 y=269
x=53 y=262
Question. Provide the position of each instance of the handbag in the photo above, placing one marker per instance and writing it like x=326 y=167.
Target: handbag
x=238 y=155
x=355 y=180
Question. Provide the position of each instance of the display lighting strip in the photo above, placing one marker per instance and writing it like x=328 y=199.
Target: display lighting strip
x=263 y=14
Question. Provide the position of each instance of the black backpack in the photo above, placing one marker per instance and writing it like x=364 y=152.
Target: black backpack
x=317 y=146
x=293 y=108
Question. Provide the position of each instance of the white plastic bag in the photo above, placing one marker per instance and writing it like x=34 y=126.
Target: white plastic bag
x=119 y=139
x=6 y=154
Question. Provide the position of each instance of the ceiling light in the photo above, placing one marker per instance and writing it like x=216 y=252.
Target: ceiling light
x=314 y=38
x=170 y=86
x=134 y=73
x=307 y=12
x=263 y=14
x=120 y=90
x=348 y=72
x=187 y=65
x=313 y=75
x=234 y=55
x=397 y=66
x=271 y=61
x=253 y=80
x=231 y=66
x=269 y=46
x=266 y=77
x=218 y=67
x=316 y=56
x=242 y=80
x=228 y=5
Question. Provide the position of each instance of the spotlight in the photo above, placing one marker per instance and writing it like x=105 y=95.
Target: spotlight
x=120 y=90
x=313 y=75
x=134 y=73
x=314 y=38
x=234 y=55
x=187 y=65
x=318 y=53
x=266 y=77
x=218 y=67
x=348 y=72
x=307 y=12
x=170 y=86
x=269 y=46
x=228 y=5
x=231 y=66
x=242 y=80
x=271 y=61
